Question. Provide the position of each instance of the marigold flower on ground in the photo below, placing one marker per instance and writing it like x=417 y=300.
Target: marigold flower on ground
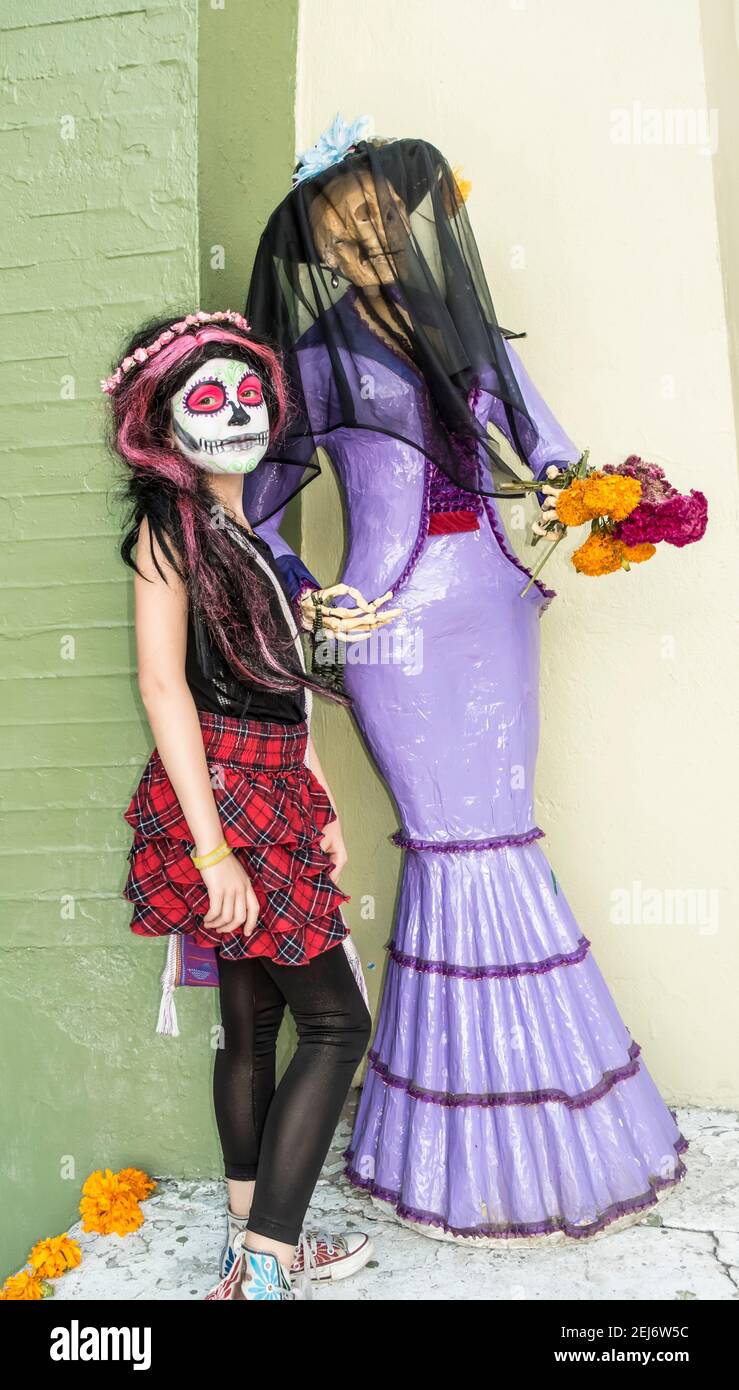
x=108 y=1206
x=140 y=1184
x=601 y=554
x=22 y=1286
x=54 y=1256
x=611 y=495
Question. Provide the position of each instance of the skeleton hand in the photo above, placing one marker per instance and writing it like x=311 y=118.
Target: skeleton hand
x=548 y=523
x=347 y=624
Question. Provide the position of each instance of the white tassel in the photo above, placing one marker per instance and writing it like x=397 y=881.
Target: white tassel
x=356 y=965
x=167 y=1021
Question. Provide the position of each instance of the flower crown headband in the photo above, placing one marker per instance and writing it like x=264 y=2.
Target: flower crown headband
x=142 y=354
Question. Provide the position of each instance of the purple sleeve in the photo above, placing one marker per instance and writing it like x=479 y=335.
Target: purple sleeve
x=553 y=445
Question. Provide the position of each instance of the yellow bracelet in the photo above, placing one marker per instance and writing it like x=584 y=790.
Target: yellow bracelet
x=214 y=856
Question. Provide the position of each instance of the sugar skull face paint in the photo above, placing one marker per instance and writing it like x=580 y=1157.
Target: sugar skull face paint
x=220 y=418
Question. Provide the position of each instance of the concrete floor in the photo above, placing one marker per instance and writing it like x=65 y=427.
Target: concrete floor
x=686 y=1248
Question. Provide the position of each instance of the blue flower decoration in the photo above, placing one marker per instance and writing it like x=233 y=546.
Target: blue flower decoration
x=330 y=147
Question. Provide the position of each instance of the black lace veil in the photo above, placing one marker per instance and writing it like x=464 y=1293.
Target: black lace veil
x=371 y=259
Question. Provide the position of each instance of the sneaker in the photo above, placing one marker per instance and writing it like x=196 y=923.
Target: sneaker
x=259 y=1277
x=263 y=1277
x=320 y=1255
x=228 y=1286
x=234 y=1224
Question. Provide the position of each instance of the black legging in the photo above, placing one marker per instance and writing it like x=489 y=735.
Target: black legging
x=281 y=1136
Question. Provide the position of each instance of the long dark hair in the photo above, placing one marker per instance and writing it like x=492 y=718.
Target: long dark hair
x=172 y=493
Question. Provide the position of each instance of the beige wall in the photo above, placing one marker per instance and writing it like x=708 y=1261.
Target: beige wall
x=609 y=256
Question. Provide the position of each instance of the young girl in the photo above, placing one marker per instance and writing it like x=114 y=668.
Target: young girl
x=236 y=839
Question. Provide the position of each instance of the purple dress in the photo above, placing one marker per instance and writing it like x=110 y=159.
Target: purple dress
x=505 y=1096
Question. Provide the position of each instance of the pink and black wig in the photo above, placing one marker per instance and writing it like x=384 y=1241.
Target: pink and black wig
x=173 y=494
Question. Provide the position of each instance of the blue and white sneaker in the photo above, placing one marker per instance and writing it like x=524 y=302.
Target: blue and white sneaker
x=256 y=1277
x=320 y=1255
x=263 y=1278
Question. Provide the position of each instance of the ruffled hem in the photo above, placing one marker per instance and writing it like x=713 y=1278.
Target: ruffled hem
x=273 y=822
x=490 y=972
x=616 y=1216
x=518 y=1172
x=488 y=1099
x=498 y=1037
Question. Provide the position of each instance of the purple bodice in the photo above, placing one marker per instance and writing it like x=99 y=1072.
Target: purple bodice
x=446 y=496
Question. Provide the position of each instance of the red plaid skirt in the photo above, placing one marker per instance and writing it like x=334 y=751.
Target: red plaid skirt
x=273 y=810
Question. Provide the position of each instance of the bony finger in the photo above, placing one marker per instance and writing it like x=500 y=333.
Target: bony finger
x=335 y=589
x=334 y=611
x=372 y=620
x=358 y=634
x=358 y=621
x=377 y=602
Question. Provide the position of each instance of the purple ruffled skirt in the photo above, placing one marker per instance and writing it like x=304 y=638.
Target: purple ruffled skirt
x=505 y=1097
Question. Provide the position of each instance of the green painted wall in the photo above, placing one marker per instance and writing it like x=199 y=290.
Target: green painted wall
x=101 y=127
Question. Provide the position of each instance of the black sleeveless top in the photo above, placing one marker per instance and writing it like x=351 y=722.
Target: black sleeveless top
x=221 y=692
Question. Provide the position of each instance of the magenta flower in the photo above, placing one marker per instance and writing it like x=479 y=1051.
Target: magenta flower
x=679 y=519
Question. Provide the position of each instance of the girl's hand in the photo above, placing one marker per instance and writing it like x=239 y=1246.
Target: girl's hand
x=346 y=623
x=333 y=844
x=233 y=902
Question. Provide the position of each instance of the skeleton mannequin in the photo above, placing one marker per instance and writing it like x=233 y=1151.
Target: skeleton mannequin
x=369 y=276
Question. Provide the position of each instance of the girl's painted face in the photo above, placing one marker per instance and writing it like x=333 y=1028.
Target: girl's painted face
x=219 y=417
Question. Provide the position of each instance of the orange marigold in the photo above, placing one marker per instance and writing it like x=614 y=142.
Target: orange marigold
x=635 y=554
x=140 y=1184
x=601 y=554
x=611 y=494
x=571 y=508
x=22 y=1286
x=464 y=185
x=108 y=1205
x=54 y=1256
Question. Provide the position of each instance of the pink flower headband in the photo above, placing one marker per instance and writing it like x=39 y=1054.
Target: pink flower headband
x=191 y=321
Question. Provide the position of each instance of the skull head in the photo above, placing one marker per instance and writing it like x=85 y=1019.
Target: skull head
x=219 y=417
x=358 y=231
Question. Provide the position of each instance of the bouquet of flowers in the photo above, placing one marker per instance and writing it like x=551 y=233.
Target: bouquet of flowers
x=631 y=508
